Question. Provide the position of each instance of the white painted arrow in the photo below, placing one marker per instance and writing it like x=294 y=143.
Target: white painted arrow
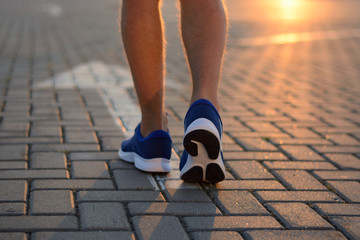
x=112 y=83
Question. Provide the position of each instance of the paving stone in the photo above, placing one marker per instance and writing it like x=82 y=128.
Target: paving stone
x=231 y=147
x=249 y=185
x=119 y=196
x=254 y=156
x=337 y=149
x=37 y=223
x=249 y=170
x=338 y=175
x=235 y=223
x=174 y=208
x=6 y=165
x=298 y=180
x=103 y=235
x=344 y=161
x=265 y=135
x=13 y=236
x=294 y=234
x=297 y=196
x=301 y=141
x=342 y=139
x=51 y=202
x=73 y=114
x=262 y=127
x=98 y=216
x=111 y=143
x=14 y=126
x=334 y=209
x=350 y=226
x=99 y=121
x=83 y=127
x=72 y=184
x=62 y=123
x=72 y=136
x=348 y=190
x=4 y=134
x=110 y=133
x=30 y=140
x=238 y=202
x=134 y=180
x=119 y=164
x=298 y=216
x=13 y=190
x=48 y=160
x=297 y=165
x=41 y=131
x=33 y=174
x=256 y=144
x=65 y=147
x=302 y=153
x=186 y=195
x=302 y=124
x=89 y=169
x=13 y=152
x=12 y=208
x=159 y=227
x=216 y=235
x=97 y=156
x=47 y=113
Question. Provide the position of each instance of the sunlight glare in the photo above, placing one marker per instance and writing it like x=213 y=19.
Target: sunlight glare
x=289 y=8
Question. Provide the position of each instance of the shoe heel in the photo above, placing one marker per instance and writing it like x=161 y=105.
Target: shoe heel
x=202 y=131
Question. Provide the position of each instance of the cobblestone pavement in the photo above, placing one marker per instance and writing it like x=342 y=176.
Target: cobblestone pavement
x=290 y=100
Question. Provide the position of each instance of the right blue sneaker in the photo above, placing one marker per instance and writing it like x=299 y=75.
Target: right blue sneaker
x=202 y=159
x=150 y=154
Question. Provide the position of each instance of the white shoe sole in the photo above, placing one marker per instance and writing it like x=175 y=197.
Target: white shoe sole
x=203 y=143
x=147 y=165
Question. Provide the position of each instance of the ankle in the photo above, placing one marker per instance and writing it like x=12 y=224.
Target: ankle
x=148 y=125
x=213 y=100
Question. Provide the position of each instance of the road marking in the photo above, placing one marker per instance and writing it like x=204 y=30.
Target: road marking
x=112 y=82
x=53 y=9
x=287 y=38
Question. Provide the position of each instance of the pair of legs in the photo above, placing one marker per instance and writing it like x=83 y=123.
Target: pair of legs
x=204 y=31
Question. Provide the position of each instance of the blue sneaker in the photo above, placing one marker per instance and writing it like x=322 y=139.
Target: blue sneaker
x=149 y=154
x=202 y=159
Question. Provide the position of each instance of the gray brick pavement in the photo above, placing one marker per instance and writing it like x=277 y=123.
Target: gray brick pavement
x=51 y=202
x=90 y=235
x=294 y=234
x=236 y=223
x=298 y=216
x=159 y=227
x=238 y=203
x=107 y=216
x=216 y=235
x=348 y=225
x=291 y=129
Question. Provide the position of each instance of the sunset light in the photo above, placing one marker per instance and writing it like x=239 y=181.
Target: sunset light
x=289 y=8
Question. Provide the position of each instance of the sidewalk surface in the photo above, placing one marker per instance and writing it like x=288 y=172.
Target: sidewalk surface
x=290 y=101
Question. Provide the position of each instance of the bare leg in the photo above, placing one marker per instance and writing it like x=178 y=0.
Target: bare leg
x=142 y=32
x=204 y=32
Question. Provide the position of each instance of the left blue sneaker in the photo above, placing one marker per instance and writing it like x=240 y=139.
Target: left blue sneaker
x=202 y=159
x=149 y=154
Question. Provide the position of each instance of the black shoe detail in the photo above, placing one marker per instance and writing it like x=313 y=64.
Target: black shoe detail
x=209 y=140
x=194 y=174
x=214 y=173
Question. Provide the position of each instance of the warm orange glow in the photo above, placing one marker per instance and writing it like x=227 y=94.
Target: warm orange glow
x=289 y=8
x=289 y=4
